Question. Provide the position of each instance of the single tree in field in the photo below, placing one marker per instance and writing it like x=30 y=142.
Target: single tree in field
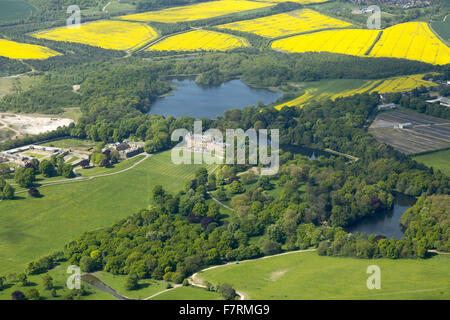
x=99 y=159
x=24 y=177
x=34 y=192
x=33 y=294
x=18 y=295
x=226 y=291
x=2 y=282
x=67 y=171
x=84 y=163
x=132 y=281
x=47 y=281
x=47 y=168
x=8 y=192
x=22 y=278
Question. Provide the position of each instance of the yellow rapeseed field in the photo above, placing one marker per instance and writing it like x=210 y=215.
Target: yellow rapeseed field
x=198 y=11
x=200 y=40
x=297 y=1
x=17 y=50
x=394 y=84
x=414 y=41
x=350 y=41
x=316 y=90
x=287 y=23
x=298 y=102
x=117 y=35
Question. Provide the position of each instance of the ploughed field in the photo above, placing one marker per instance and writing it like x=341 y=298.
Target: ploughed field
x=411 y=132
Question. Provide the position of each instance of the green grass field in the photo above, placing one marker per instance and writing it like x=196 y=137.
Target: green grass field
x=442 y=29
x=13 y=10
x=437 y=160
x=22 y=82
x=307 y=275
x=146 y=287
x=33 y=227
x=113 y=8
x=117 y=6
x=95 y=171
x=35 y=154
x=71 y=143
x=188 y=293
x=324 y=89
x=59 y=275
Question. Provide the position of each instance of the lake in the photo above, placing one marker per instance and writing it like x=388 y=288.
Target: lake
x=190 y=99
x=388 y=223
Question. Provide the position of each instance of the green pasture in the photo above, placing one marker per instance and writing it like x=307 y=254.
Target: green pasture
x=33 y=227
x=146 y=287
x=59 y=275
x=188 y=293
x=306 y=275
x=438 y=160
x=14 y=10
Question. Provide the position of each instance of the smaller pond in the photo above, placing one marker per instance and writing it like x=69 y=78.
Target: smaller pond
x=190 y=99
x=386 y=224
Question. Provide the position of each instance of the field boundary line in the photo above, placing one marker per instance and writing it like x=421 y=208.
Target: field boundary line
x=437 y=34
x=377 y=39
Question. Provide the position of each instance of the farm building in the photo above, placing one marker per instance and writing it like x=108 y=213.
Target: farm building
x=387 y=106
x=443 y=101
x=126 y=148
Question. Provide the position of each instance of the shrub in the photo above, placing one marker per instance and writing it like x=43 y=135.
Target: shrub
x=34 y=192
x=18 y=295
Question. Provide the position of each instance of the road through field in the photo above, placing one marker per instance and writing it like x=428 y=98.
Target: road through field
x=195 y=280
x=80 y=179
